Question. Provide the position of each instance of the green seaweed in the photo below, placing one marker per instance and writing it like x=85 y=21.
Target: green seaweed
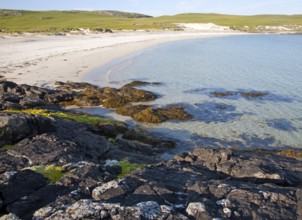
x=128 y=167
x=51 y=172
x=84 y=118
x=6 y=147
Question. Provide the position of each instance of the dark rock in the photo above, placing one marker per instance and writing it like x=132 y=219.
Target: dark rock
x=45 y=149
x=163 y=144
x=132 y=157
x=108 y=31
x=67 y=87
x=115 y=169
x=115 y=101
x=174 y=112
x=149 y=115
x=223 y=93
x=1 y=205
x=34 y=92
x=135 y=83
x=66 y=145
x=137 y=95
x=197 y=182
x=253 y=94
x=85 y=175
x=22 y=184
x=7 y=86
x=136 y=146
x=131 y=110
x=58 y=97
x=16 y=126
x=10 y=163
x=25 y=209
x=28 y=102
x=9 y=97
x=244 y=94
x=110 y=129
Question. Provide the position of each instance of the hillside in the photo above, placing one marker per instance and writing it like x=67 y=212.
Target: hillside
x=66 y=21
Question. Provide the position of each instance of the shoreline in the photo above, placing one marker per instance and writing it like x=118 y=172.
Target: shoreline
x=42 y=60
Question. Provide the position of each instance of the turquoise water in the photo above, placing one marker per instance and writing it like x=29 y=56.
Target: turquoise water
x=191 y=70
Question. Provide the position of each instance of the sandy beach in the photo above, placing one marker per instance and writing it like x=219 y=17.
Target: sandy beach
x=42 y=60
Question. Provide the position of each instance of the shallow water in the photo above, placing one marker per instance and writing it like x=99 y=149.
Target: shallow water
x=192 y=70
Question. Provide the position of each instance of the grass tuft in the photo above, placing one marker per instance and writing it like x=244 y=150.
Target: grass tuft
x=128 y=167
x=6 y=147
x=83 y=118
x=51 y=172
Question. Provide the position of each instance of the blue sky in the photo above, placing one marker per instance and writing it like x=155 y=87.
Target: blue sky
x=163 y=7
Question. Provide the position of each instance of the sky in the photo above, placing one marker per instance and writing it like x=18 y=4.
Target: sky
x=163 y=7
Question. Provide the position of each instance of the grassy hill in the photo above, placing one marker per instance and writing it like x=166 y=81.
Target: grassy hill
x=60 y=21
x=236 y=21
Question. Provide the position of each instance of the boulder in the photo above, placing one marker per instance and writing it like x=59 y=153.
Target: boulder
x=57 y=97
x=163 y=144
x=115 y=101
x=86 y=176
x=149 y=115
x=110 y=129
x=22 y=184
x=174 y=112
x=131 y=110
x=7 y=86
x=9 y=163
x=44 y=196
x=17 y=126
x=158 y=115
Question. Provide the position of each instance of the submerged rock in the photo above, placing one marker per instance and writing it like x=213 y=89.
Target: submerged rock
x=158 y=115
x=245 y=94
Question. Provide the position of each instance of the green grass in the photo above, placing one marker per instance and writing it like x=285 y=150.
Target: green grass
x=128 y=167
x=60 y=21
x=83 y=118
x=51 y=172
x=234 y=20
x=6 y=147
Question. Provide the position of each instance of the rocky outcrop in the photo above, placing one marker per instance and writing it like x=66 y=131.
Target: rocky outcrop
x=207 y=184
x=25 y=96
x=15 y=127
x=122 y=101
x=57 y=167
x=13 y=96
x=90 y=95
x=200 y=184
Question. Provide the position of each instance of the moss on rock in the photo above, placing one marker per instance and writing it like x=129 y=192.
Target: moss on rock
x=84 y=118
x=6 y=147
x=51 y=172
x=128 y=167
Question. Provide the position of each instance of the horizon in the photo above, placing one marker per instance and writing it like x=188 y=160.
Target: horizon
x=144 y=13
x=159 y=8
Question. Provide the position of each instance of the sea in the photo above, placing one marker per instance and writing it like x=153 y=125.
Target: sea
x=191 y=71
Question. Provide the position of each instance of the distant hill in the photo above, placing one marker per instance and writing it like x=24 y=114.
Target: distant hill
x=123 y=14
x=12 y=21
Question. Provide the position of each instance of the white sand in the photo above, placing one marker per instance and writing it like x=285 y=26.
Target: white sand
x=42 y=60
